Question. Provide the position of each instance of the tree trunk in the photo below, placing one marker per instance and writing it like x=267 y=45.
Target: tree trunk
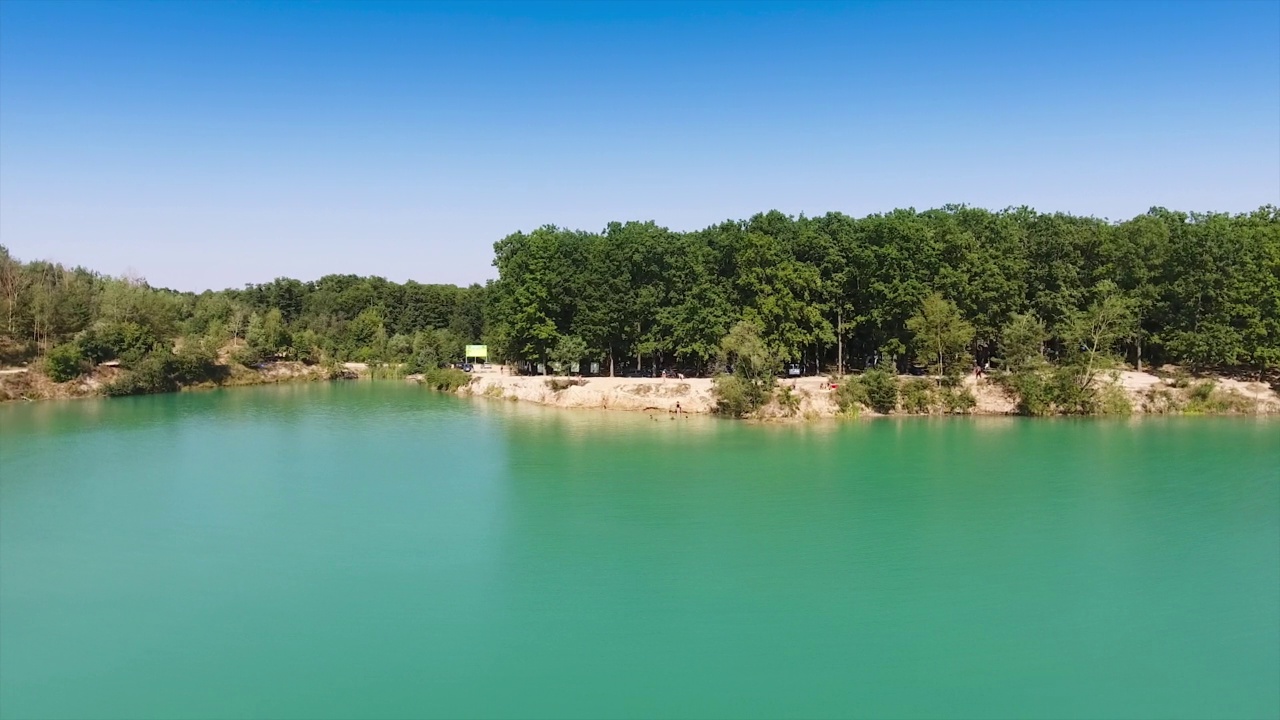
x=839 y=344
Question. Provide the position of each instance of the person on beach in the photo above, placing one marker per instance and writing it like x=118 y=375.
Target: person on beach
x=679 y=410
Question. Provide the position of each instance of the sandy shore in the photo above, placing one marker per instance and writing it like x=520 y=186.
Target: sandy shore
x=694 y=395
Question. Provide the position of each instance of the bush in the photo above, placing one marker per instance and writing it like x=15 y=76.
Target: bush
x=446 y=379
x=1032 y=392
x=1207 y=398
x=247 y=356
x=881 y=389
x=1201 y=392
x=958 y=400
x=153 y=374
x=737 y=396
x=125 y=340
x=557 y=384
x=64 y=362
x=1161 y=400
x=1112 y=400
x=917 y=396
x=850 y=396
x=196 y=362
x=788 y=400
x=1056 y=392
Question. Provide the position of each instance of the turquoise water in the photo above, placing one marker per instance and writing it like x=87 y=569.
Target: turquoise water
x=375 y=550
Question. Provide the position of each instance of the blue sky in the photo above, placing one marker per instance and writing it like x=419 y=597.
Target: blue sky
x=212 y=145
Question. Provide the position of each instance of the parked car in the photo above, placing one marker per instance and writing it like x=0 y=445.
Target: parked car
x=466 y=367
x=793 y=370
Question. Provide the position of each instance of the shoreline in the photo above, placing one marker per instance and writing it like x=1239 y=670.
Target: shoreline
x=1148 y=394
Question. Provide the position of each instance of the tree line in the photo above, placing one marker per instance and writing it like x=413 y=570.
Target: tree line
x=70 y=319
x=939 y=289
x=837 y=292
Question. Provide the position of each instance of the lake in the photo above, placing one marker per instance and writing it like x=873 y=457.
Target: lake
x=372 y=549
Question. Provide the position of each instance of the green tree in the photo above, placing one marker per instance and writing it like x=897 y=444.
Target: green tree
x=568 y=352
x=64 y=362
x=1022 y=343
x=1093 y=334
x=941 y=334
x=750 y=384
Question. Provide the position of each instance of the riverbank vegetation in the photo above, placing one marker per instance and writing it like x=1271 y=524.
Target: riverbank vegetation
x=67 y=321
x=1048 y=303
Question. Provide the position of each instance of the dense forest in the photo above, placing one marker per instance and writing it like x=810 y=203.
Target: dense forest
x=1198 y=289
x=939 y=289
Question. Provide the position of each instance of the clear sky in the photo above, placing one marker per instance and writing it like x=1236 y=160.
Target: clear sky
x=212 y=145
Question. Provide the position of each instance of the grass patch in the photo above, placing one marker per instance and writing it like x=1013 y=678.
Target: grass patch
x=1208 y=399
x=445 y=379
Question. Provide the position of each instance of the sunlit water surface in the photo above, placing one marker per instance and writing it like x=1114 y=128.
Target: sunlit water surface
x=376 y=550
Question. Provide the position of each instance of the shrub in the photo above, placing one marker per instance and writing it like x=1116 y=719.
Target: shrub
x=1201 y=392
x=446 y=379
x=1031 y=391
x=1068 y=395
x=1112 y=400
x=737 y=396
x=1207 y=398
x=1161 y=400
x=917 y=396
x=958 y=400
x=788 y=400
x=64 y=362
x=153 y=374
x=851 y=395
x=557 y=384
x=247 y=356
x=1059 y=391
x=195 y=362
x=881 y=390
x=128 y=341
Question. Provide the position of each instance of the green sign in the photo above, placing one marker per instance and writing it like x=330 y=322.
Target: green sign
x=477 y=351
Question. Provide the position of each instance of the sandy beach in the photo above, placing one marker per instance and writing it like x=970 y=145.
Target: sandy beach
x=694 y=395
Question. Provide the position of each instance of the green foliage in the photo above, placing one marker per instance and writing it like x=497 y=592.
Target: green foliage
x=750 y=386
x=917 y=396
x=164 y=371
x=267 y=334
x=1022 y=343
x=247 y=355
x=941 y=334
x=1058 y=391
x=957 y=400
x=851 y=395
x=1207 y=398
x=882 y=390
x=152 y=374
x=126 y=340
x=446 y=379
x=788 y=401
x=195 y=361
x=738 y=397
x=1112 y=400
x=568 y=352
x=64 y=362
x=1194 y=289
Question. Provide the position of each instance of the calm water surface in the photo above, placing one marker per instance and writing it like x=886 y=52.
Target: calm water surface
x=371 y=549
